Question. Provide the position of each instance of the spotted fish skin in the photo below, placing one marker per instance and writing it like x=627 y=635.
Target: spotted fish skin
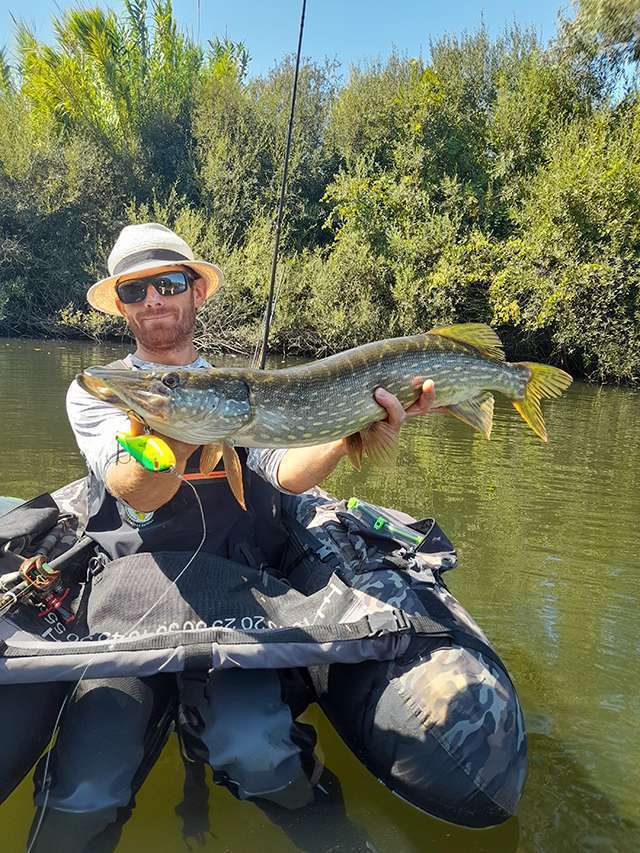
x=334 y=397
x=321 y=401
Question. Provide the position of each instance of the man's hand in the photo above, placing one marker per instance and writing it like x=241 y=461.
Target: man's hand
x=304 y=467
x=396 y=414
x=147 y=491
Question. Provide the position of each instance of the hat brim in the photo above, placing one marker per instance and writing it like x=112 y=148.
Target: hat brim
x=102 y=294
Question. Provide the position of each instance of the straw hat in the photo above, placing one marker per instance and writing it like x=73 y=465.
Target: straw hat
x=147 y=247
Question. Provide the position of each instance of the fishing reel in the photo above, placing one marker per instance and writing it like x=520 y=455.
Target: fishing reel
x=41 y=585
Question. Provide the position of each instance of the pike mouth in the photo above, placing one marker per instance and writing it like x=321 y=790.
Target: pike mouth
x=97 y=388
x=133 y=396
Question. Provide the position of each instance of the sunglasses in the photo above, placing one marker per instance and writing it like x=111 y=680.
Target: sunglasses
x=166 y=284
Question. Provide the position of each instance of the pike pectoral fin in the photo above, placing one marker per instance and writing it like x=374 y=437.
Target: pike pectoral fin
x=354 y=449
x=234 y=472
x=476 y=412
x=379 y=444
x=210 y=456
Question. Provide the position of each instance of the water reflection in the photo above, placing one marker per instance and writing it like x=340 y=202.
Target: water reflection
x=549 y=566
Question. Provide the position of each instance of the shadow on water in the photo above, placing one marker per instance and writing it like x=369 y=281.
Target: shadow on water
x=562 y=805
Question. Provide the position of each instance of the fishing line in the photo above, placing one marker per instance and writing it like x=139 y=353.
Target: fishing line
x=69 y=696
x=45 y=772
x=182 y=571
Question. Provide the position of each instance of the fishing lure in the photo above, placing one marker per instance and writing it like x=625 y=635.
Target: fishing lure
x=149 y=450
x=382 y=522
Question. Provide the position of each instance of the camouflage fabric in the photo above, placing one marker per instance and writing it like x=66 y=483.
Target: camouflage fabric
x=453 y=709
x=466 y=703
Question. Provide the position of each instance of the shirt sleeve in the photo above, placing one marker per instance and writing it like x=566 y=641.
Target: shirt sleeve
x=265 y=462
x=95 y=424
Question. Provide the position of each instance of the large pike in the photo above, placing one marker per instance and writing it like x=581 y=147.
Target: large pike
x=332 y=398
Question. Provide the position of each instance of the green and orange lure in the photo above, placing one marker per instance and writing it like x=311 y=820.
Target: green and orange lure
x=149 y=450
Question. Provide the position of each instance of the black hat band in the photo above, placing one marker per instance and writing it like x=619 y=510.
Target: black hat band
x=148 y=255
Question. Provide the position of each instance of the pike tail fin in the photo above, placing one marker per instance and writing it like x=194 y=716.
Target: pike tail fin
x=544 y=381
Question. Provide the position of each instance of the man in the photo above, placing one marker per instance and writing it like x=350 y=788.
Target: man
x=243 y=722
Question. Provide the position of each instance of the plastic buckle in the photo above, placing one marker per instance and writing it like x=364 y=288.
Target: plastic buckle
x=388 y=622
x=402 y=619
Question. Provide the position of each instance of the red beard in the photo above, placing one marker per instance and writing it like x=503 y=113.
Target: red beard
x=165 y=335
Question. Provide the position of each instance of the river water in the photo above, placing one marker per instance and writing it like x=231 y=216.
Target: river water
x=547 y=537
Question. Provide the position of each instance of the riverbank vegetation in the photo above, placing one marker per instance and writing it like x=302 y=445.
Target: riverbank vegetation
x=496 y=181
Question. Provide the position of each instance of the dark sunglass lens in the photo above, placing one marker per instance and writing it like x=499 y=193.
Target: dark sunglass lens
x=171 y=283
x=132 y=291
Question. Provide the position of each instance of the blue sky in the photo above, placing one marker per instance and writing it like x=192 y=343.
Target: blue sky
x=350 y=31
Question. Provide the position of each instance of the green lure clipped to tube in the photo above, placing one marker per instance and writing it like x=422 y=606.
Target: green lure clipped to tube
x=382 y=522
x=149 y=450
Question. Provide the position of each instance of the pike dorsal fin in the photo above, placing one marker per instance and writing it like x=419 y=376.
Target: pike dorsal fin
x=476 y=335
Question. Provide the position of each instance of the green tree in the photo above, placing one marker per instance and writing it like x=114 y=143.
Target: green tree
x=127 y=83
x=608 y=26
x=240 y=128
x=569 y=279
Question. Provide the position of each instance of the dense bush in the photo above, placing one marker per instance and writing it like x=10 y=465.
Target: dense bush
x=571 y=275
x=497 y=182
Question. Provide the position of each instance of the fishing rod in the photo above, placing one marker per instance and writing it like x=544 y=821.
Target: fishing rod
x=283 y=186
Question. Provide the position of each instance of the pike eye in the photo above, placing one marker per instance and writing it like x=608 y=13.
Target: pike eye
x=171 y=380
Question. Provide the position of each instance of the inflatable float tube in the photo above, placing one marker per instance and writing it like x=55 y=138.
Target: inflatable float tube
x=404 y=673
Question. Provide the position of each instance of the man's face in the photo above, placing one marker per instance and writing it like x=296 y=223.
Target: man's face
x=162 y=323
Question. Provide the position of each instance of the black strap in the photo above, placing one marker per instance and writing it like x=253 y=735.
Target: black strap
x=373 y=625
x=195 y=674
x=197 y=644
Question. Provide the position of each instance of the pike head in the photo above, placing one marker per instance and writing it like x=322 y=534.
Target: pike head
x=196 y=406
